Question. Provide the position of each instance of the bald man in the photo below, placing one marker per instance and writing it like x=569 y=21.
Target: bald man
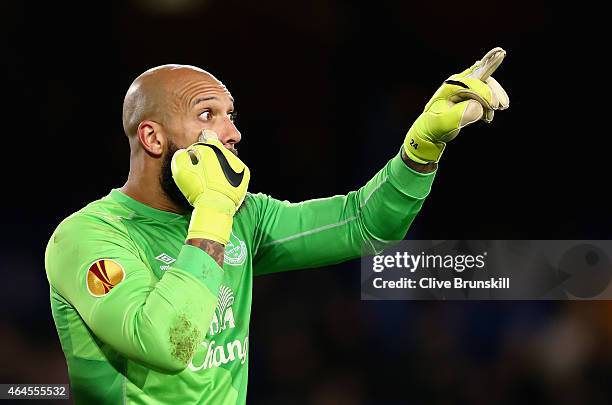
x=151 y=285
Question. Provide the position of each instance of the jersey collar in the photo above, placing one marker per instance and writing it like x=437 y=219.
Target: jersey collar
x=144 y=209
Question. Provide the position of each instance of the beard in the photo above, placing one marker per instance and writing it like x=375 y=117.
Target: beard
x=167 y=182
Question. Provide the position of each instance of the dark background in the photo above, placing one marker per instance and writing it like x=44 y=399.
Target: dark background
x=326 y=90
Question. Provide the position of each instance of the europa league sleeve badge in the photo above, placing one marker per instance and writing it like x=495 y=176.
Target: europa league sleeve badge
x=102 y=276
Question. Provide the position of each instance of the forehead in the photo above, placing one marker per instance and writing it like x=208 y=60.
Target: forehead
x=196 y=86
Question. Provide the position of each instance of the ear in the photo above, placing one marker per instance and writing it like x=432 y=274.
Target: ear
x=151 y=137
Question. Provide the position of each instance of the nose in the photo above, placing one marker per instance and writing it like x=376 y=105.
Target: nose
x=231 y=136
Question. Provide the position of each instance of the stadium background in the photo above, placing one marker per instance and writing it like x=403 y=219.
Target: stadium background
x=325 y=92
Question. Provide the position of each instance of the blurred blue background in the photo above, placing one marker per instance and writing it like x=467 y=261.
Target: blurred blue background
x=325 y=90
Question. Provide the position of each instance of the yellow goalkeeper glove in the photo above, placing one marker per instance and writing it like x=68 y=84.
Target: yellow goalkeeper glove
x=215 y=182
x=463 y=99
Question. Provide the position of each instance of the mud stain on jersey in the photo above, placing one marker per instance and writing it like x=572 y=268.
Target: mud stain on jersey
x=184 y=339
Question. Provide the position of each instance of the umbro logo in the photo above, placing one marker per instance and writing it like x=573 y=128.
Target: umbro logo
x=164 y=258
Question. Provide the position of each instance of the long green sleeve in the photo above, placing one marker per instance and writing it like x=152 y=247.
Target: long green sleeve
x=158 y=323
x=143 y=318
x=331 y=230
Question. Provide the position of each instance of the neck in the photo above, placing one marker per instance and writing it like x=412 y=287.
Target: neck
x=143 y=186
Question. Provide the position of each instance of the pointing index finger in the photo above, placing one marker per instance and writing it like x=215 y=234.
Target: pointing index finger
x=488 y=64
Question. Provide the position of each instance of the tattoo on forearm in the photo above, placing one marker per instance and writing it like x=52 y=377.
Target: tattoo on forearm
x=214 y=249
x=419 y=167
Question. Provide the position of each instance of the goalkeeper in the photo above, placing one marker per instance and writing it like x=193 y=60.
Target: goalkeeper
x=151 y=285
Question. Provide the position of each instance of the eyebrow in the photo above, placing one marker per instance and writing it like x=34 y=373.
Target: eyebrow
x=202 y=99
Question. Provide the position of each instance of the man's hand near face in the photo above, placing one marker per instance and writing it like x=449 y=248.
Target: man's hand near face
x=215 y=182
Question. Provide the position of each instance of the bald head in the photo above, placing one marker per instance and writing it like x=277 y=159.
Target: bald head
x=161 y=93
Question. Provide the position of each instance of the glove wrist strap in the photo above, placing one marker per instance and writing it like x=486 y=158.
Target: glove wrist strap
x=421 y=150
x=210 y=223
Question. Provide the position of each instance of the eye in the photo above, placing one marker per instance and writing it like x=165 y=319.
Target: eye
x=205 y=115
x=233 y=116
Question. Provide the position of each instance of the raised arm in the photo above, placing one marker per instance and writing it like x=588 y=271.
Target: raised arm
x=331 y=230
x=96 y=269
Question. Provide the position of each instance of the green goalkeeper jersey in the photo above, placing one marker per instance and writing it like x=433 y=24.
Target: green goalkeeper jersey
x=144 y=318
